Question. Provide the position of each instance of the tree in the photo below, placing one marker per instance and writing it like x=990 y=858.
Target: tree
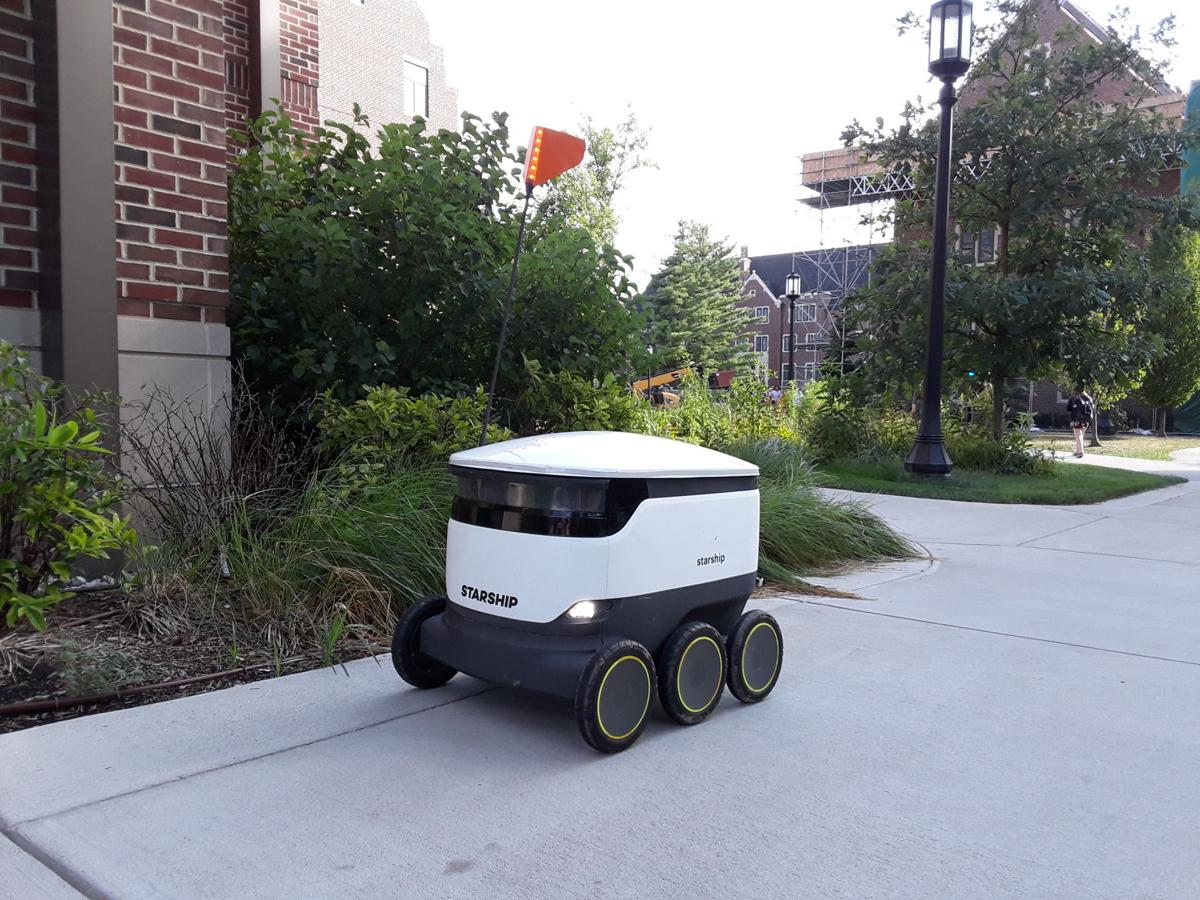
x=1174 y=375
x=583 y=197
x=1061 y=178
x=354 y=266
x=690 y=305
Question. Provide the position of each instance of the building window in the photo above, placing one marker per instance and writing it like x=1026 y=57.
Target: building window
x=762 y=314
x=787 y=372
x=987 y=246
x=787 y=343
x=760 y=343
x=806 y=312
x=753 y=292
x=977 y=247
x=814 y=337
x=746 y=340
x=416 y=90
x=809 y=372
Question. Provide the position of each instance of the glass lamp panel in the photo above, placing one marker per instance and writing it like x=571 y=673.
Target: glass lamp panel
x=935 y=35
x=968 y=32
x=950 y=47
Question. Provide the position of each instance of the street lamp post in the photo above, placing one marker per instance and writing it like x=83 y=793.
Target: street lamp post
x=791 y=290
x=950 y=31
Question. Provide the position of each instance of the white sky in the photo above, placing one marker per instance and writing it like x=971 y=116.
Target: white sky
x=733 y=93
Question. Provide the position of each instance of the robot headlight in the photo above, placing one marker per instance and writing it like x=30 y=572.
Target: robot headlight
x=585 y=610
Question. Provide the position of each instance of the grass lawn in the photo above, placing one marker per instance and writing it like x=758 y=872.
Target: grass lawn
x=1071 y=484
x=1127 y=445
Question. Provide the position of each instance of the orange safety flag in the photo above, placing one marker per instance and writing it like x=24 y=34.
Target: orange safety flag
x=550 y=154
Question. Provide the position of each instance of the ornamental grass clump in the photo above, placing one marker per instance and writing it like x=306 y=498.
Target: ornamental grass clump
x=802 y=532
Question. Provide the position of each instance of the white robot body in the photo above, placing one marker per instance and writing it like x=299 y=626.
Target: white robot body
x=603 y=567
x=694 y=519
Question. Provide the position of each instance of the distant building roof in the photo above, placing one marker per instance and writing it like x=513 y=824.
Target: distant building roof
x=835 y=271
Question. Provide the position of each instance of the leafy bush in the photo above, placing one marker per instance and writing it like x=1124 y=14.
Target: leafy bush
x=833 y=423
x=561 y=401
x=57 y=504
x=721 y=419
x=357 y=263
x=389 y=427
x=971 y=446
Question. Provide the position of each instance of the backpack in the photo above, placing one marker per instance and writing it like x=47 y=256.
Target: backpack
x=1082 y=410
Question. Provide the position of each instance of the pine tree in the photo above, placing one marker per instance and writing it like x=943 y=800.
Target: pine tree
x=690 y=304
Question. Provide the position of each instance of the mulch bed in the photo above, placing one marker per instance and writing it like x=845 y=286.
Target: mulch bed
x=93 y=648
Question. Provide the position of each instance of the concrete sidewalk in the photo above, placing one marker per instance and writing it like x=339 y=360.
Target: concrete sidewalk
x=1014 y=718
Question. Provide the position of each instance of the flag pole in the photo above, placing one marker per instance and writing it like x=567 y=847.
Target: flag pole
x=512 y=285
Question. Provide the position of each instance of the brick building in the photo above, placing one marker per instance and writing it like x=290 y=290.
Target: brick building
x=113 y=170
x=841 y=178
x=411 y=83
x=826 y=276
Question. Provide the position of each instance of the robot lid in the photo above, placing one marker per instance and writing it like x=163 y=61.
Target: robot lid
x=604 y=454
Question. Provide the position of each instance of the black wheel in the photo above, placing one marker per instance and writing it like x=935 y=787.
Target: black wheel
x=692 y=673
x=755 y=656
x=411 y=664
x=612 y=702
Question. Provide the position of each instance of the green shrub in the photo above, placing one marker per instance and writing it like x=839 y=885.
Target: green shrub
x=752 y=418
x=697 y=419
x=722 y=419
x=562 y=401
x=359 y=259
x=971 y=446
x=892 y=431
x=833 y=423
x=390 y=428
x=57 y=504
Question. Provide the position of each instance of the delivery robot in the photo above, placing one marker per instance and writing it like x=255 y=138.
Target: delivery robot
x=604 y=567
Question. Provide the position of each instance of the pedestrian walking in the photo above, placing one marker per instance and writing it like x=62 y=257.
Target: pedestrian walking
x=1080 y=409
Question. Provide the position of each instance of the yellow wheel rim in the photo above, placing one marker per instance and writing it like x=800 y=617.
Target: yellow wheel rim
x=679 y=675
x=600 y=694
x=774 y=670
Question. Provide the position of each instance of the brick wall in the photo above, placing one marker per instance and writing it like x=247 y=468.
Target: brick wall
x=363 y=49
x=169 y=115
x=755 y=294
x=18 y=158
x=299 y=61
x=240 y=80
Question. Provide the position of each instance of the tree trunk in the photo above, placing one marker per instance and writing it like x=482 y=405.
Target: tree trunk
x=997 y=408
x=1162 y=431
x=1095 y=439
